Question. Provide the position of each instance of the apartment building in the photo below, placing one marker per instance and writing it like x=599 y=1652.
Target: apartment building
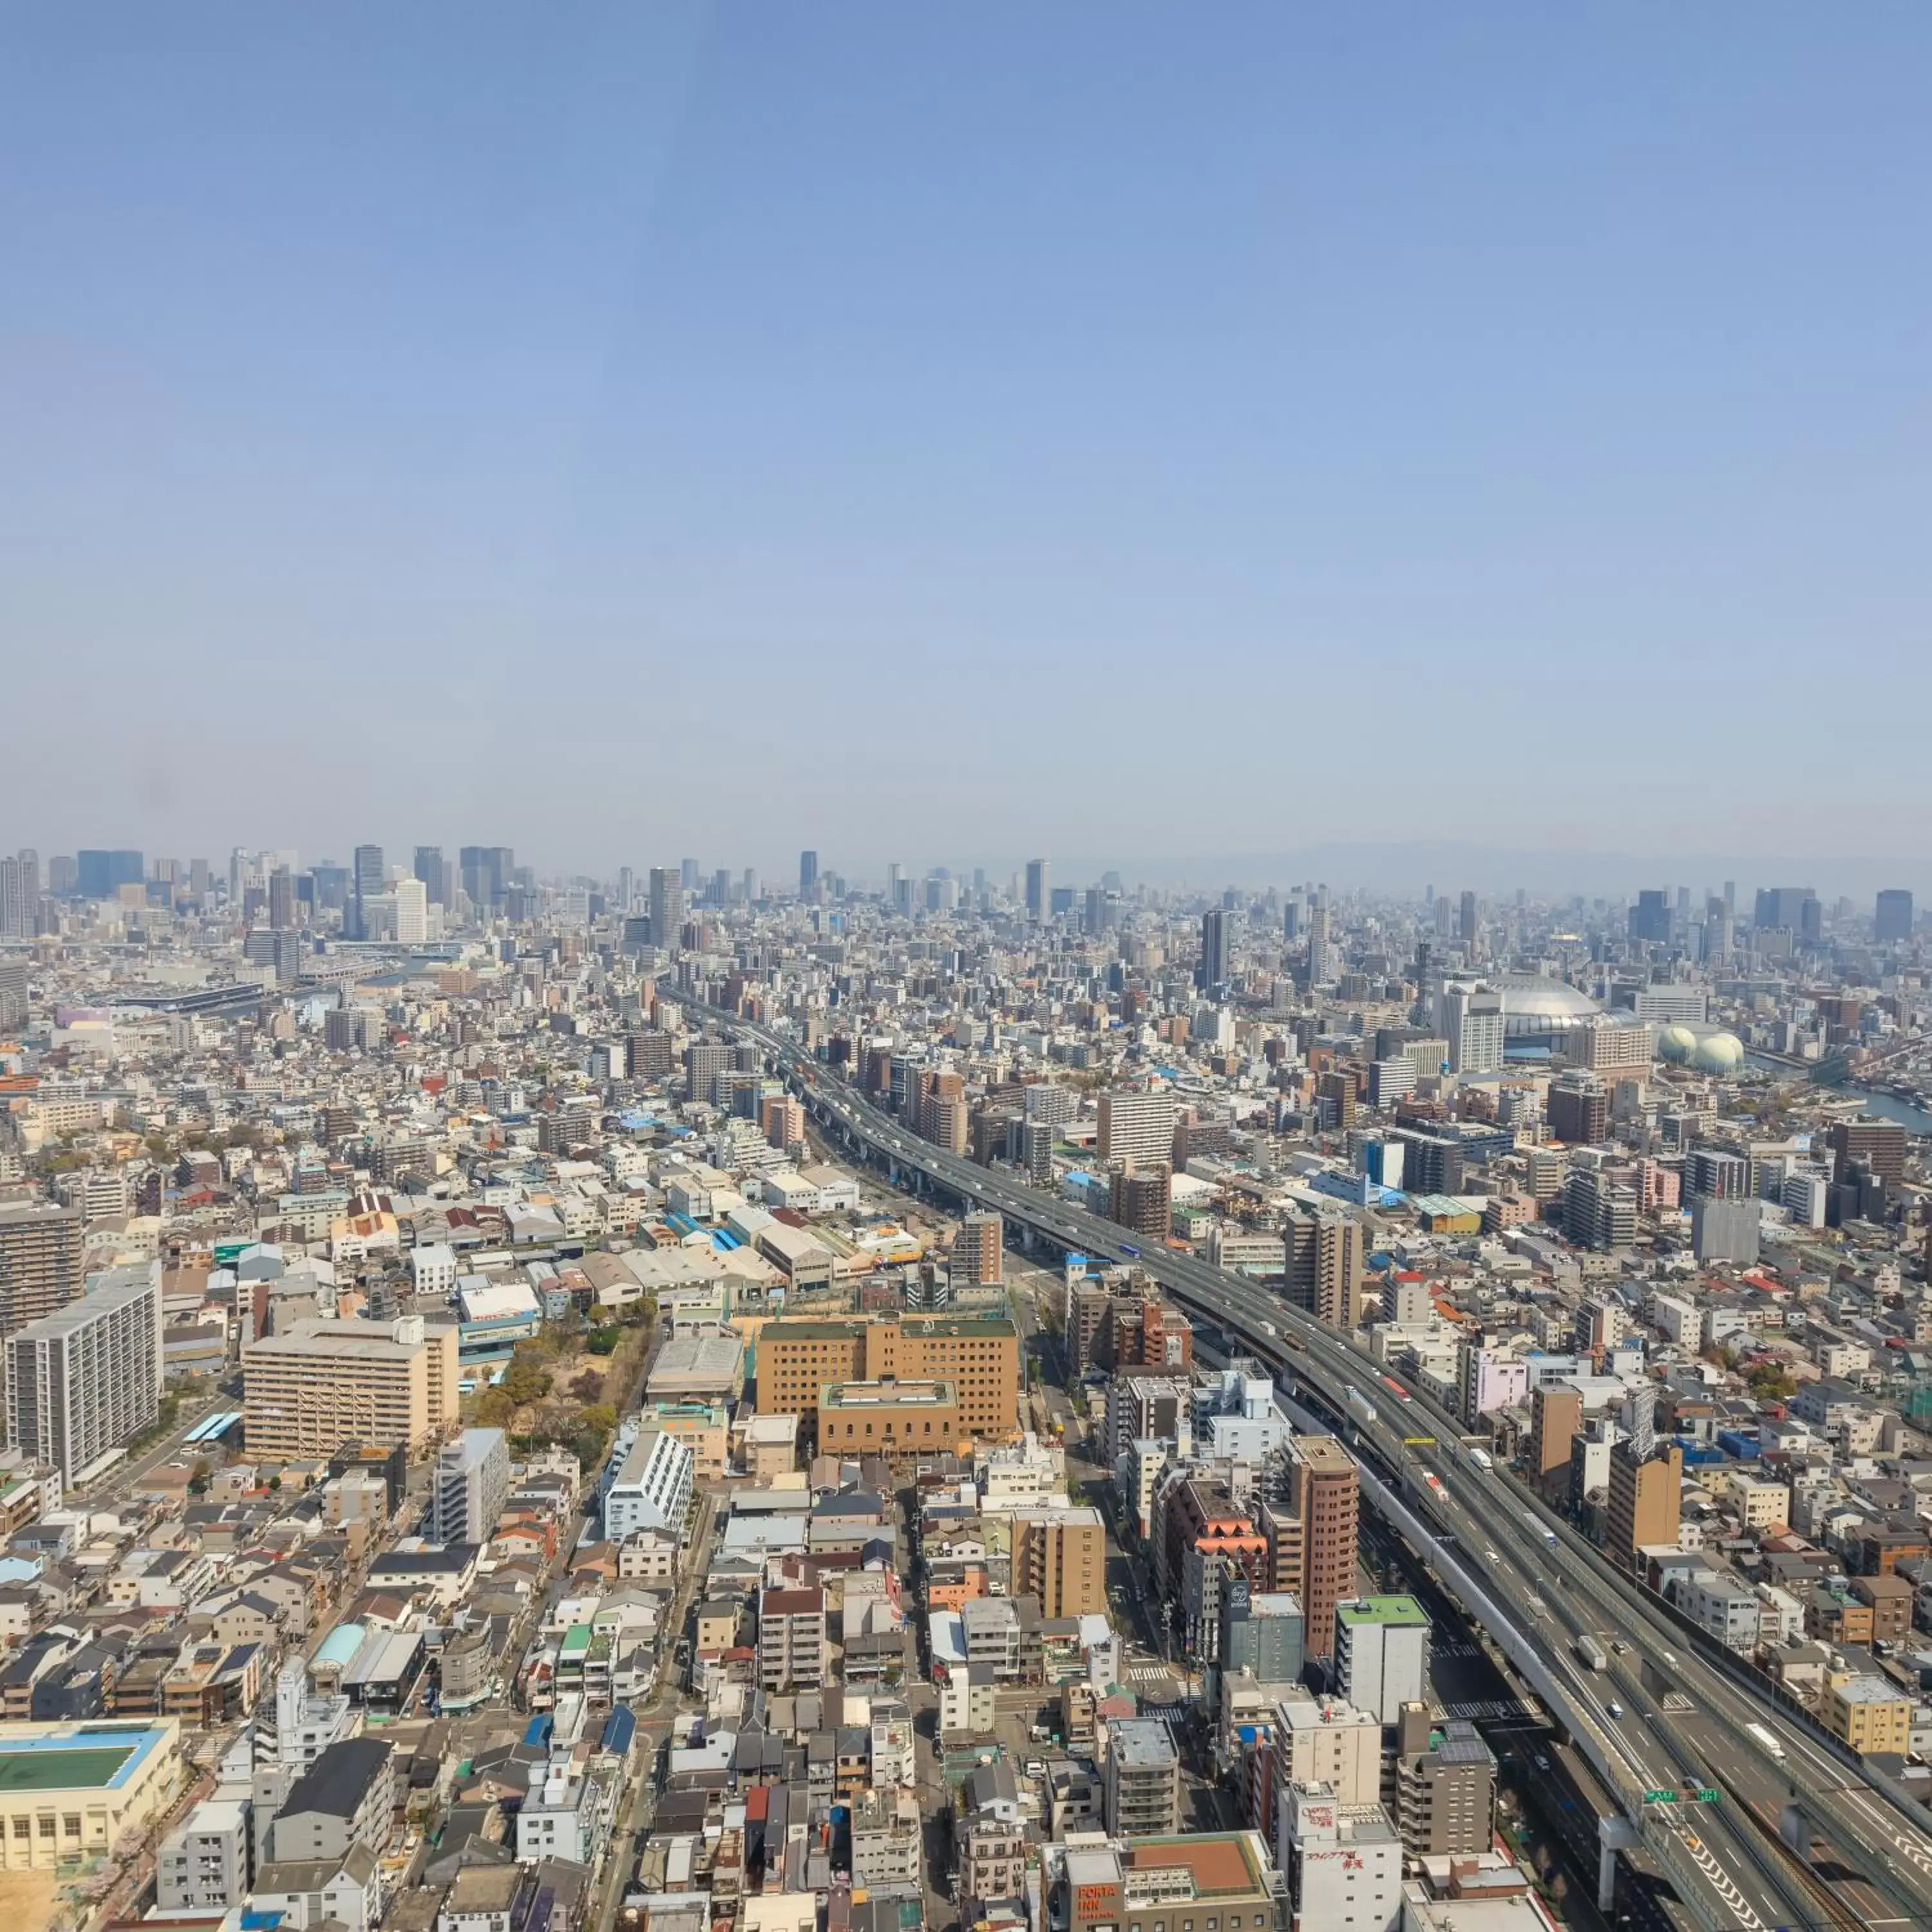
x=39 y=1261
x=471 y=1479
x=1143 y=1779
x=83 y=1380
x=322 y=1384
x=791 y=1639
x=1059 y=1555
x=1135 y=1129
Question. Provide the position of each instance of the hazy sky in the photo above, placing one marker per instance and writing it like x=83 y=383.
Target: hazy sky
x=925 y=432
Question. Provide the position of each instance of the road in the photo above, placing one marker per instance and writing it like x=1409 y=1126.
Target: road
x=638 y=1809
x=1885 y=1855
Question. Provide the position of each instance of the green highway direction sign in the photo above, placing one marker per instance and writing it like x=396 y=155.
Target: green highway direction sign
x=1707 y=1794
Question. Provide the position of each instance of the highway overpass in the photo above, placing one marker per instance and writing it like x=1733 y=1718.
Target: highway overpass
x=1680 y=1704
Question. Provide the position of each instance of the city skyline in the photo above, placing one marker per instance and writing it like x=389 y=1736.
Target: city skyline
x=1395 y=871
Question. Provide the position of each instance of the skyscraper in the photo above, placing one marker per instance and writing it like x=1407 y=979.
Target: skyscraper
x=101 y=874
x=1039 y=892
x=412 y=912
x=627 y=889
x=430 y=868
x=1650 y=918
x=687 y=875
x=1893 y=918
x=19 y=891
x=1467 y=929
x=366 y=870
x=1320 y=953
x=281 y=899
x=808 y=875
x=1215 y=965
x=486 y=871
x=667 y=889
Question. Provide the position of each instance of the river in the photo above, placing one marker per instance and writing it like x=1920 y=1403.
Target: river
x=1887 y=1106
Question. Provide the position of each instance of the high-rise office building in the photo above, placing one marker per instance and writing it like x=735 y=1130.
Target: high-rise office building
x=467 y=1487
x=83 y=1380
x=429 y=867
x=688 y=875
x=1892 y=919
x=366 y=870
x=1216 y=939
x=1471 y=1020
x=1039 y=892
x=808 y=875
x=281 y=900
x=1650 y=918
x=412 y=913
x=40 y=1261
x=1466 y=929
x=1781 y=906
x=486 y=871
x=667 y=892
x=627 y=889
x=101 y=874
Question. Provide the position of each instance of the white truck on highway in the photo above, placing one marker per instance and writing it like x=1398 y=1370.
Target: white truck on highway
x=1590 y=1650
x=1766 y=1742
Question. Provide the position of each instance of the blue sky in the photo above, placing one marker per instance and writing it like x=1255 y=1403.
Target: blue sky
x=627 y=431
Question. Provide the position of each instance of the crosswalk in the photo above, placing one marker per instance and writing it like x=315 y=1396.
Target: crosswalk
x=1149 y=1673
x=1677 y=1704
x=1473 y=1709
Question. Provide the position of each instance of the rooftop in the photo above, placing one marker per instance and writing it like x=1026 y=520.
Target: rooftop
x=1402 y=1613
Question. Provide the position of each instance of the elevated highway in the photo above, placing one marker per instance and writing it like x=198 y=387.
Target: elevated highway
x=1528 y=1577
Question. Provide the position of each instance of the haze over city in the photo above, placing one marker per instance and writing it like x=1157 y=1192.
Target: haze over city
x=1509 y=421
x=1171 y=1170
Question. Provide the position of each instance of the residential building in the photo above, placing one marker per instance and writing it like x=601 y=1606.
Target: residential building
x=206 y=1863
x=1381 y=1654
x=1445 y=1787
x=1645 y=1494
x=654 y=1484
x=39 y=1261
x=467 y=1486
x=345 y=1798
x=791 y=1639
x=81 y=1381
x=1136 y=1129
x=1059 y=1556
x=320 y=1383
x=1143 y=1779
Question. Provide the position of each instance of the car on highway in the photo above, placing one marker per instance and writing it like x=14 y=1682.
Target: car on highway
x=1615 y=1709
x=1492 y=1556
